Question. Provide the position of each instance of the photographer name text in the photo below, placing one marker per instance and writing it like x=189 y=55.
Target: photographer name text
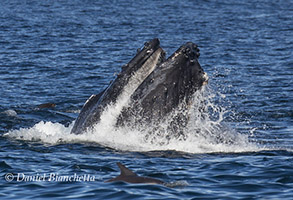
x=49 y=177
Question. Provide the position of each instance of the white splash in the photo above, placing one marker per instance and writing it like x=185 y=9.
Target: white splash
x=205 y=132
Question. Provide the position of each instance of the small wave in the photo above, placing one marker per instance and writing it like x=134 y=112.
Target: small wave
x=176 y=184
x=10 y=112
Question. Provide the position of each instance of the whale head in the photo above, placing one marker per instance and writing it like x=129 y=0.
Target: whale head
x=172 y=83
x=147 y=89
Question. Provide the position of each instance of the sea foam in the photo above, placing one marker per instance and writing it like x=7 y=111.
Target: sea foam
x=206 y=131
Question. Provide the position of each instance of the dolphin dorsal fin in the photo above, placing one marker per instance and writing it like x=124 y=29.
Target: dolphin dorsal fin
x=125 y=171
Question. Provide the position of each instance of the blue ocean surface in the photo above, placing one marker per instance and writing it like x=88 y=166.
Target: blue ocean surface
x=62 y=52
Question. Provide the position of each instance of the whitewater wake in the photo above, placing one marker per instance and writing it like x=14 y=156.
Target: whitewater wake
x=205 y=132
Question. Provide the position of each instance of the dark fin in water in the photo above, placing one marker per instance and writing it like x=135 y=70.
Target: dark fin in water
x=126 y=175
x=46 y=105
x=124 y=171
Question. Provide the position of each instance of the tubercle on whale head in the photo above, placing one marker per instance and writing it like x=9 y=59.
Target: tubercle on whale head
x=184 y=64
x=189 y=51
x=153 y=42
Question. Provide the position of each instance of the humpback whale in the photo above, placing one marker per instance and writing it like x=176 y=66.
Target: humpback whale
x=126 y=175
x=149 y=87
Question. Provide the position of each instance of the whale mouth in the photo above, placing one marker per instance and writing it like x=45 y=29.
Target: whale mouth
x=148 y=88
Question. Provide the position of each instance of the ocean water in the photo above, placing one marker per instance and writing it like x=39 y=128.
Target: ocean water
x=62 y=52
